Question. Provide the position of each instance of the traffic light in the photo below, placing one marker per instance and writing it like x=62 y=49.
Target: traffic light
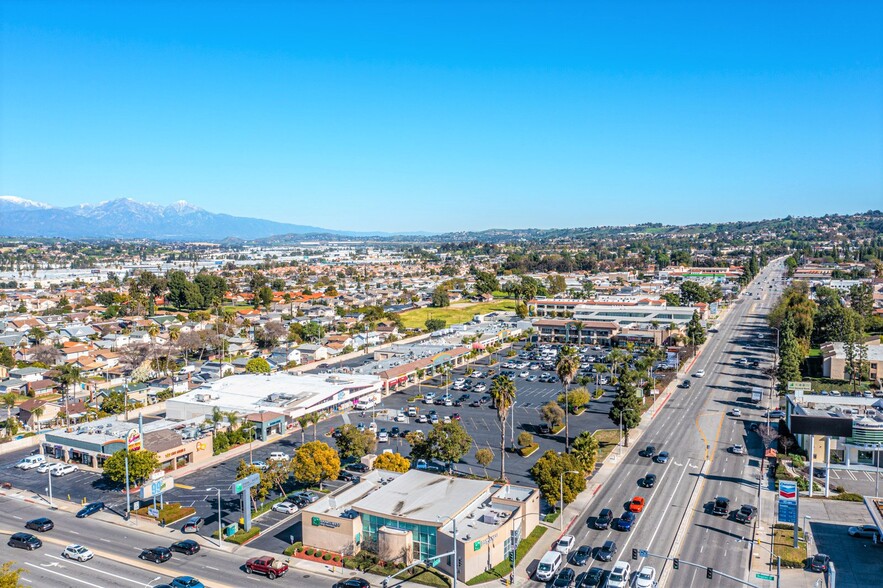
x=709 y=573
x=677 y=563
x=634 y=554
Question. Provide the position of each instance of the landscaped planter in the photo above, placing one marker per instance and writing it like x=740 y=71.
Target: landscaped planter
x=301 y=554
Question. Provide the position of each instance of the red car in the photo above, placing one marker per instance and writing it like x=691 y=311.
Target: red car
x=637 y=504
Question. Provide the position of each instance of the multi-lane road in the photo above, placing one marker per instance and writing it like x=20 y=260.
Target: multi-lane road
x=696 y=427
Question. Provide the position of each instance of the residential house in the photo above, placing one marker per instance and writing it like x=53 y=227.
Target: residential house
x=77 y=332
x=42 y=388
x=28 y=374
x=283 y=356
x=30 y=420
x=310 y=352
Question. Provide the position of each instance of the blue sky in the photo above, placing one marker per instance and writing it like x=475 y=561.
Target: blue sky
x=445 y=116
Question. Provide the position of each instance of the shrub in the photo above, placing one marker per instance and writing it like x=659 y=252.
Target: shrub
x=326 y=557
x=848 y=497
x=309 y=551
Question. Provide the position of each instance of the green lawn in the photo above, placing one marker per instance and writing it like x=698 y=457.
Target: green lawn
x=608 y=439
x=783 y=546
x=416 y=319
x=502 y=569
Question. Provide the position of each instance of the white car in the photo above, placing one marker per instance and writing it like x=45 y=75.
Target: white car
x=524 y=374
x=260 y=465
x=446 y=419
x=278 y=456
x=699 y=374
x=480 y=388
x=565 y=544
x=64 y=469
x=286 y=507
x=477 y=375
x=619 y=577
x=77 y=552
x=646 y=578
x=737 y=412
x=401 y=418
x=372 y=427
x=428 y=398
x=737 y=449
x=383 y=437
x=45 y=467
x=459 y=381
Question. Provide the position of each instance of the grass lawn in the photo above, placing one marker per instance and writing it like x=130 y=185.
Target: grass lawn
x=416 y=319
x=819 y=384
x=783 y=546
x=608 y=439
x=502 y=569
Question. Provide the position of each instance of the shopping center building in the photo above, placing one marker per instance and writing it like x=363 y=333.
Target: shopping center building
x=410 y=516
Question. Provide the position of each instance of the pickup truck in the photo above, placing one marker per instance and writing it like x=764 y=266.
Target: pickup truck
x=267 y=565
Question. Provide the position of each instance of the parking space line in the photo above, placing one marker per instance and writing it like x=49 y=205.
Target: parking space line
x=851 y=475
x=870 y=479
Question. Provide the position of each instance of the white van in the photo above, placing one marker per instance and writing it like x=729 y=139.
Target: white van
x=364 y=404
x=30 y=462
x=278 y=456
x=549 y=566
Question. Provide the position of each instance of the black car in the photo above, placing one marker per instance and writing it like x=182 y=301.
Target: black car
x=649 y=481
x=819 y=562
x=565 y=578
x=607 y=551
x=187 y=547
x=685 y=384
x=346 y=476
x=648 y=451
x=358 y=467
x=721 y=506
x=484 y=399
x=24 y=541
x=156 y=554
x=353 y=583
x=604 y=518
x=594 y=578
x=90 y=509
x=745 y=514
x=662 y=457
x=299 y=501
x=544 y=429
x=42 y=524
x=581 y=555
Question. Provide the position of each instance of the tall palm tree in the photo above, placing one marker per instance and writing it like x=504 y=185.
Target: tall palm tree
x=174 y=335
x=8 y=400
x=68 y=376
x=503 y=393
x=566 y=368
x=216 y=418
x=314 y=418
x=38 y=412
x=232 y=419
x=303 y=421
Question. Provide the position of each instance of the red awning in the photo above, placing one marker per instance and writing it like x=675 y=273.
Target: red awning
x=402 y=380
x=478 y=345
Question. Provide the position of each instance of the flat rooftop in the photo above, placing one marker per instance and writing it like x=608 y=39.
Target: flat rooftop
x=341 y=502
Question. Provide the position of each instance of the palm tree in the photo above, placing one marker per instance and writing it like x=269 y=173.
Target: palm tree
x=38 y=412
x=68 y=376
x=232 y=419
x=9 y=402
x=314 y=418
x=503 y=393
x=578 y=327
x=216 y=418
x=566 y=368
x=174 y=335
x=153 y=331
x=303 y=421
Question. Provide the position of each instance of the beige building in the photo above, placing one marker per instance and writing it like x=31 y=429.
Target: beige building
x=413 y=515
x=834 y=360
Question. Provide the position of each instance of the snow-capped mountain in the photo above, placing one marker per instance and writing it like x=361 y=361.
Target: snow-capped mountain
x=127 y=218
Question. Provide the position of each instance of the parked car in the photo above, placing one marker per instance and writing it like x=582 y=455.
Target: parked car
x=358 y=467
x=607 y=551
x=262 y=465
x=30 y=462
x=345 y=476
x=90 y=509
x=286 y=507
x=156 y=554
x=77 y=552
x=865 y=531
x=192 y=525
x=24 y=541
x=565 y=544
x=186 y=546
x=64 y=469
x=603 y=520
x=42 y=524
x=46 y=467
x=267 y=565
x=819 y=562
x=278 y=456
x=353 y=583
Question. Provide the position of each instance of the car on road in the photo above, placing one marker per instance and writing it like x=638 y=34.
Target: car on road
x=736 y=412
x=865 y=531
x=90 y=509
x=603 y=520
x=565 y=578
x=637 y=504
x=186 y=582
x=156 y=554
x=267 y=565
x=685 y=384
x=625 y=521
x=745 y=514
x=648 y=451
x=24 y=541
x=607 y=551
x=648 y=481
x=646 y=578
x=594 y=578
x=565 y=544
x=619 y=577
x=819 y=562
x=662 y=457
x=42 y=524
x=737 y=449
x=286 y=507
x=581 y=555
x=699 y=374
x=192 y=525
x=721 y=506
x=64 y=469
x=77 y=552
x=383 y=437
x=186 y=546
x=776 y=414
x=353 y=583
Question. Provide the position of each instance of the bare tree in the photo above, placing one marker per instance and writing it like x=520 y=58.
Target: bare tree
x=768 y=434
x=45 y=354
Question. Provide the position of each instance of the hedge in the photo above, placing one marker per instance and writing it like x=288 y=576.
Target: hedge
x=528 y=449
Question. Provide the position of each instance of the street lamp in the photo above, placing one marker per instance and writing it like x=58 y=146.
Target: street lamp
x=453 y=520
x=49 y=489
x=220 y=532
x=561 y=489
x=770 y=551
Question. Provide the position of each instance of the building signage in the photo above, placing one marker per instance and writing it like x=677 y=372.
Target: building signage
x=787 y=502
x=133 y=440
x=476 y=546
x=157 y=487
x=317 y=522
x=802 y=386
x=239 y=486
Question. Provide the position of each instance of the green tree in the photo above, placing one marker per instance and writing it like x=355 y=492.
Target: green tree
x=575 y=400
x=626 y=404
x=259 y=491
x=9 y=399
x=693 y=292
x=557 y=284
x=861 y=299
x=440 y=297
x=115 y=403
x=141 y=465
x=790 y=355
x=486 y=283
x=567 y=367
x=392 y=462
x=211 y=287
x=313 y=331
x=263 y=297
x=521 y=309
x=257 y=365
x=6 y=358
x=182 y=292
x=10 y=576
x=446 y=442
x=585 y=451
x=547 y=473
x=484 y=457
x=502 y=392
x=525 y=439
x=553 y=415
x=695 y=331
x=353 y=443
x=435 y=324
x=315 y=462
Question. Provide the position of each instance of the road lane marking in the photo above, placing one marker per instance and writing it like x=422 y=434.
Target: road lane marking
x=64 y=575
x=94 y=569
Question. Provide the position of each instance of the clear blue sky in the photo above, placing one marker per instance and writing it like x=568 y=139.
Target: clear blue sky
x=447 y=116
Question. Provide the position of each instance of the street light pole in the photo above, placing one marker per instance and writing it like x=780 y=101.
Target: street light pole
x=561 y=488
x=220 y=532
x=49 y=474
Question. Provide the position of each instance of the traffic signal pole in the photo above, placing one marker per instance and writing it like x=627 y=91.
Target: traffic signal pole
x=709 y=572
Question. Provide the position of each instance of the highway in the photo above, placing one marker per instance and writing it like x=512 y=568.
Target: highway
x=694 y=427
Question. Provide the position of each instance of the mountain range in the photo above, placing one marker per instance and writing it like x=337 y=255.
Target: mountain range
x=125 y=218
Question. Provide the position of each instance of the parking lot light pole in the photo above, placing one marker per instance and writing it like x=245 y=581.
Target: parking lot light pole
x=49 y=489
x=220 y=532
x=561 y=488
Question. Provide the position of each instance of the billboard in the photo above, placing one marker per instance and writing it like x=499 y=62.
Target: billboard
x=133 y=440
x=157 y=487
x=819 y=425
x=787 y=502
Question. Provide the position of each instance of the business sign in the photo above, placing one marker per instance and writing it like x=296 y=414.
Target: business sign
x=317 y=522
x=476 y=546
x=133 y=440
x=802 y=386
x=821 y=425
x=788 y=502
x=154 y=512
x=157 y=487
x=240 y=486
